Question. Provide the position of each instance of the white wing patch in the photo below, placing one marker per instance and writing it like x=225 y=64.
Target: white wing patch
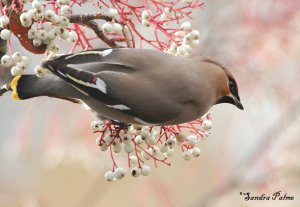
x=100 y=84
x=106 y=52
x=85 y=53
x=100 y=53
x=119 y=107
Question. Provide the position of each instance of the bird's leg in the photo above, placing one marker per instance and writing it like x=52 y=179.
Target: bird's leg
x=120 y=125
x=5 y=88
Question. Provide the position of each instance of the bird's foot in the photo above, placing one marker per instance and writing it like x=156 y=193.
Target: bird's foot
x=120 y=125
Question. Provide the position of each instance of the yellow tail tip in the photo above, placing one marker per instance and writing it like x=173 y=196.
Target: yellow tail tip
x=13 y=85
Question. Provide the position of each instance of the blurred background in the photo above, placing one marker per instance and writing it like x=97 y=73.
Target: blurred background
x=48 y=154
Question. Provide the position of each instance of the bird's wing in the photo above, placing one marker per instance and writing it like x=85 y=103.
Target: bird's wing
x=90 y=60
x=116 y=85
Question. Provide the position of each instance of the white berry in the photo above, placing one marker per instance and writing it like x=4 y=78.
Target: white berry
x=151 y=140
x=192 y=139
x=6 y=60
x=52 y=34
x=117 y=147
x=186 y=26
x=25 y=17
x=107 y=139
x=63 y=21
x=103 y=147
x=37 y=16
x=64 y=34
x=32 y=33
x=179 y=33
x=36 y=4
x=169 y=153
x=25 y=60
x=187 y=155
x=37 y=42
x=207 y=124
x=40 y=72
x=97 y=125
x=113 y=13
x=135 y=172
x=126 y=138
x=55 y=19
x=146 y=14
x=4 y=20
x=196 y=151
x=117 y=28
x=168 y=12
x=65 y=10
x=73 y=37
x=21 y=65
x=39 y=11
x=180 y=51
x=120 y=172
x=154 y=151
x=133 y=160
x=171 y=142
x=107 y=27
x=146 y=23
x=194 y=43
x=195 y=34
x=5 y=34
x=17 y=57
x=138 y=139
x=163 y=148
x=187 y=48
x=145 y=134
x=47 y=26
x=42 y=34
x=15 y=71
x=145 y=155
x=109 y=176
x=145 y=170
x=129 y=147
x=49 y=14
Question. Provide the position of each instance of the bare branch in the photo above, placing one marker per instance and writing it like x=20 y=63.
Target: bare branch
x=88 y=17
x=88 y=20
x=93 y=25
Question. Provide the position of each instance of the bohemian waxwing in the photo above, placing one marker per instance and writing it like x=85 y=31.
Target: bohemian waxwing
x=137 y=86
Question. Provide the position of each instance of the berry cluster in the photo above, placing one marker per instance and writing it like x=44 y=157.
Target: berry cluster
x=20 y=62
x=145 y=143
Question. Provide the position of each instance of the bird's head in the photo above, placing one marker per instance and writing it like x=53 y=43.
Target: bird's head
x=232 y=95
x=227 y=85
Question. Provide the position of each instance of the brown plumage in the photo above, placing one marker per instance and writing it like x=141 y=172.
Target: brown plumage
x=137 y=86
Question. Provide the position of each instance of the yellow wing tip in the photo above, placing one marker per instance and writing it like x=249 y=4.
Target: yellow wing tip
x=13 y=85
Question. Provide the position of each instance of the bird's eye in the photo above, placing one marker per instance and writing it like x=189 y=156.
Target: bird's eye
x=231 y=85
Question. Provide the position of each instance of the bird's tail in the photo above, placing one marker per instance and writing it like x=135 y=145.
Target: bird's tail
x=24 y=87
x=30 y=86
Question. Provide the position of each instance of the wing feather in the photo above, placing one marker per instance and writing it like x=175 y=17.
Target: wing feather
x=114 y=81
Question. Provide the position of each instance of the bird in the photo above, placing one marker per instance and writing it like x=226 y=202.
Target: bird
x=134 y=86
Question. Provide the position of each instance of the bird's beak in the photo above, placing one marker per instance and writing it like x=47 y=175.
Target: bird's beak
x=231 y=99
x=237 y=102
